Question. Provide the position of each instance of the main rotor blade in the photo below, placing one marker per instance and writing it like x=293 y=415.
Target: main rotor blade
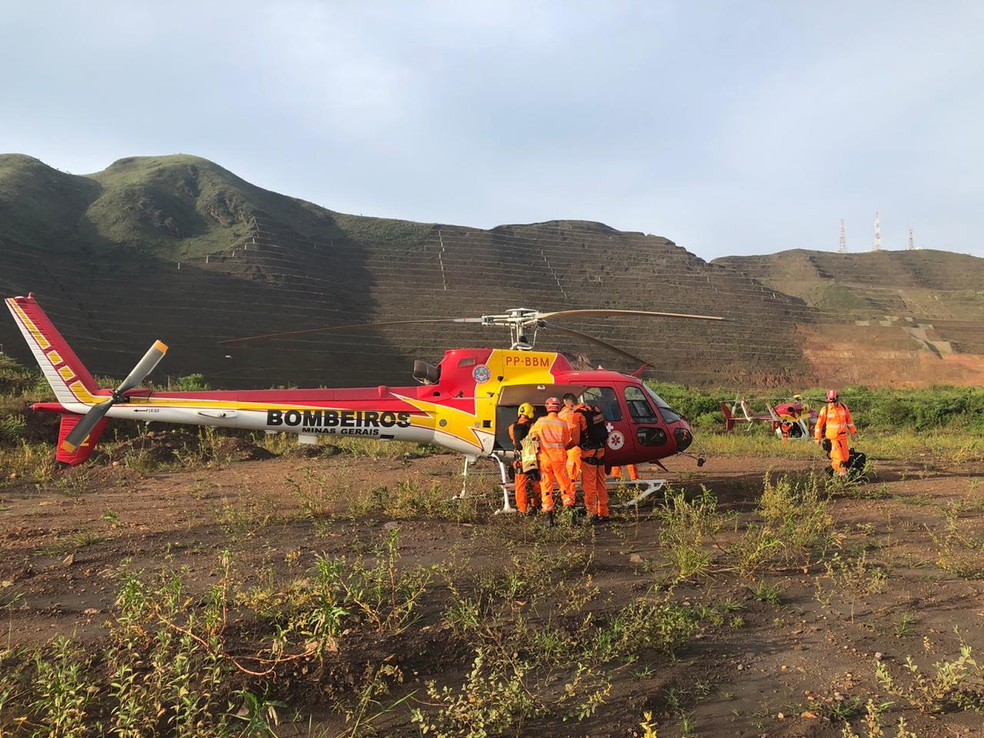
x=350 y=327
x=144 y=367
x=80 y=432
x=593 y=313
x=597 y=342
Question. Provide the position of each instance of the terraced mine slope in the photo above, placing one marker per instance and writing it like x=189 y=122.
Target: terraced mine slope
x=178 y=248
x=885 y=317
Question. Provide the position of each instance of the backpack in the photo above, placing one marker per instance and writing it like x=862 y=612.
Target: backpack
x=531 y=446
x=857 y=466
x=596 y=435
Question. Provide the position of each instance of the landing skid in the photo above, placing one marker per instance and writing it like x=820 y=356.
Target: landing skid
x=644 y=488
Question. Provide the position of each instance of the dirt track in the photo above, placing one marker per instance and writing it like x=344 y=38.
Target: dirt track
x=796 y=662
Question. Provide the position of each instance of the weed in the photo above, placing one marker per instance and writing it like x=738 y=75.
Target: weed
x=63 y=694
x=648 y=726
x=770 y=593
x=320 y=493
x=904 y=627
x=850 y=578
x=492 y=699
x=872 y=722
x=243 y=516
x=644 y=624
x=688 y=527
x=367 y=706
x=947 y=688
x=796 y=527
x=73 y=542
x=959 y=551
x=12 y=428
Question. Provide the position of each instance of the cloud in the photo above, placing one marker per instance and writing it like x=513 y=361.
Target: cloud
x=729 y=128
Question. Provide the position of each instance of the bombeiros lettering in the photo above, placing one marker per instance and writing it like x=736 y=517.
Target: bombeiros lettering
x=324 y=421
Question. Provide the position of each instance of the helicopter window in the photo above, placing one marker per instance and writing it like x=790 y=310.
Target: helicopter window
x=466 y=362
x=649 y=436
x=639 y=407
x=604 y=398
x=669 y=414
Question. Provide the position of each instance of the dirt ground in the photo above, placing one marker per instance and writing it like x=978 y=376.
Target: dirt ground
x=799 y=660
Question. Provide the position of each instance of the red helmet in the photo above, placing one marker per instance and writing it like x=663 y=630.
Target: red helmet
x=831 y=395
x=553 y=405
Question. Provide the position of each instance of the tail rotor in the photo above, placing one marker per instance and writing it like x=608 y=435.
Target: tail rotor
x=96 y=413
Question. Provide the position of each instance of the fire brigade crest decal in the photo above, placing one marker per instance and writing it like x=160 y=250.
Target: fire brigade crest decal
x=616 y=440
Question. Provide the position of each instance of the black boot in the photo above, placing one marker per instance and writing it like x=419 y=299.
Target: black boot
x=550 y=520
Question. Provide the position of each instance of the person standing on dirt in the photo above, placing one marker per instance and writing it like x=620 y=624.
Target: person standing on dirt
x=568 y=415
x=836 y=425
x=591 y=435
x=517 y=434
x=554 y=436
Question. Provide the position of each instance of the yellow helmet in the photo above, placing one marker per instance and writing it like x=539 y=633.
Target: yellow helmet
x=527 y=410
x=797 y=397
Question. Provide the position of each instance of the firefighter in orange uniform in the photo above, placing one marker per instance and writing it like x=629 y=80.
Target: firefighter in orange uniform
x=591 y=435
x=568 y=415
x=517 y=432
x=836 y=424
x=555 y=438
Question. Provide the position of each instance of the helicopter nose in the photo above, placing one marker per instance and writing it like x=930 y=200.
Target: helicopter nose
x=683 y=436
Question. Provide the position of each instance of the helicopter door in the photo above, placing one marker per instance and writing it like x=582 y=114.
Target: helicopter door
x=647 y=428
x=606 y=400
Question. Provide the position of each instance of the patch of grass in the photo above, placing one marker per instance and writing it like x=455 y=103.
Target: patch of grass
x=849 y=579
x=795 y=527
x=689 y=527
x=73 y=542
x=410 y=499
x=905 y=625
x=872 y=724
x=960 y=548
x=768 y=592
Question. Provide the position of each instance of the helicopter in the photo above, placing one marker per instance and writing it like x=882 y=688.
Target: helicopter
x=465 y=403
x=790 y=420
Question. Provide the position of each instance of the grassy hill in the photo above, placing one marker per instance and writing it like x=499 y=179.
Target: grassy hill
x=899 y=317
x=180 y=249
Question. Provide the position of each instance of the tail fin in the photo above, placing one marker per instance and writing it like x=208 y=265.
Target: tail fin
x=70 y=380
x=84 y=449
x=729 y=417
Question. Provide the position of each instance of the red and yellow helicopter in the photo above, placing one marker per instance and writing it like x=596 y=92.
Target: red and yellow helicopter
x=465 y=403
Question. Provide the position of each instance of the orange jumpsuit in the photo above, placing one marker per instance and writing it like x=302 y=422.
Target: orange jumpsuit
x=631 y=471
x=555 y=439
x=835 y=422
x=517 y=432
x=592 y=466
x=568 y=415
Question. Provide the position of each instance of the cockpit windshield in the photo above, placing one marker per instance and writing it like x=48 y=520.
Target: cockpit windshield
x=669 y=414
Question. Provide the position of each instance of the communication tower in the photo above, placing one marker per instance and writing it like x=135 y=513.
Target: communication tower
x=842 y=246
x=910 y=242
x=878 y=245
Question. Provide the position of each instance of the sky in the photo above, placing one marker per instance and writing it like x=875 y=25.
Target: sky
x=728 y=127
